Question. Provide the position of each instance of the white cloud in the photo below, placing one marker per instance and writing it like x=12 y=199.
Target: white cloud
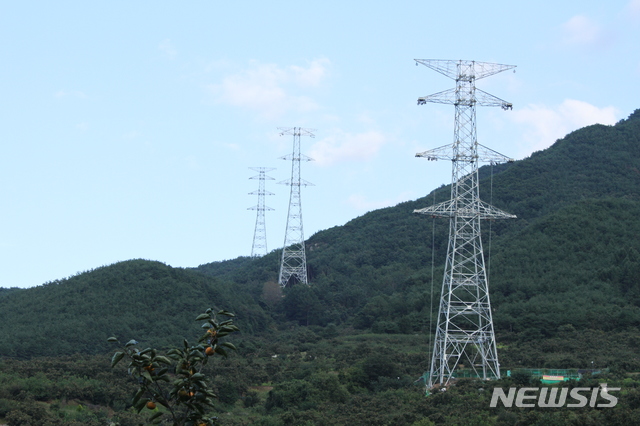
x=581 y=30
x=365 y=118
x=313 y=75
x=168 y=48
x=359 y=202
x=549 y=124
x=266 y=88
x=347 y=147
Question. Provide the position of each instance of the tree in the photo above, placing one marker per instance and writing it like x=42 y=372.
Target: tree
x=175 y=380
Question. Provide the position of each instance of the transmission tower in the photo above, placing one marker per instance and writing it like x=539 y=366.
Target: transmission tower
x=293 y=268
x=464 y=334
x=259 y=247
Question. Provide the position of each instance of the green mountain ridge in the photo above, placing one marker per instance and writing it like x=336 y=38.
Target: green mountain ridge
x=568 y=261
x=140 y=299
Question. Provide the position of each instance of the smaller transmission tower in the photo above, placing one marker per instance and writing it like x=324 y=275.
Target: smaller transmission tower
x=259 y=247
x=293 y=268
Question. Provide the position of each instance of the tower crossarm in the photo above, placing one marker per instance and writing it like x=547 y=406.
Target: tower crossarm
x=445 y=97
x=262 y=170
x=481 y=154
x=486 y=99
x=479 y=209
x=257 y=207
x=440 y=153
x=464 y=70
x=488 y=155
x=300 y=157
x=302 y=182
x=297 y=131
x=456 y=97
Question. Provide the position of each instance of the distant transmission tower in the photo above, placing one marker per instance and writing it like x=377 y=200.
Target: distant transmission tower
x=464 y=334
x=259 y=247
x=293 y=268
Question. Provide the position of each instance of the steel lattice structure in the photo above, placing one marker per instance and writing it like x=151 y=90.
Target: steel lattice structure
x=464 y=333
x=259 y=247
x=293 y=268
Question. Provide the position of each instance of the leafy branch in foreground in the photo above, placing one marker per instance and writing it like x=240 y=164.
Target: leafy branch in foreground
x=175 y=380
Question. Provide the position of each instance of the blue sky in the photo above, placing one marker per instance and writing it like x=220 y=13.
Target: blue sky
x=127 y=130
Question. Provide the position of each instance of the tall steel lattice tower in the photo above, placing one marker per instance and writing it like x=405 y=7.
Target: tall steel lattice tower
x=293 y=268
x=464 y=334
x=259 y=247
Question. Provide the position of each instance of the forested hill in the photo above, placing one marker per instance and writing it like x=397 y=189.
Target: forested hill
x=146 y=300
x=594 y=162
x=568 y=264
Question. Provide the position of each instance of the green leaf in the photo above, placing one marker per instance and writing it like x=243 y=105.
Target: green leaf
x=229 y=345
x=112 y=339
x=156 y=415
x=202 y=317
x=130 y=343
x=137 y=396
x=141 y=358
x=162 y=401
x=116 y=358
x=221 y=351
x=197 y=357
x=141 y=404
x=226 y=313
x=147 y=376
x=163 y=360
